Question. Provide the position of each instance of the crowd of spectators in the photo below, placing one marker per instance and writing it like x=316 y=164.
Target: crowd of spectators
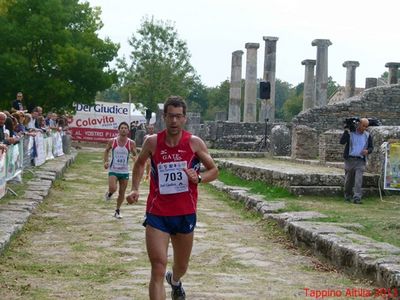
x=17 y=122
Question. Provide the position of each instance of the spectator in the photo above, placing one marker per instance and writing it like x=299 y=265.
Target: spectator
x=17 y=103
x=52 y=122
x=33 y=123
x=133 y=129
x=358 y=145
x=19 y=118
x=39 y=110
x=12 y=137
x=3 y=135
x=28 y=130
x=41 y=123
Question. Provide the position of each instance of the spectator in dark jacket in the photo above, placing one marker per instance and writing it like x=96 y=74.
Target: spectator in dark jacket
x=17 y=103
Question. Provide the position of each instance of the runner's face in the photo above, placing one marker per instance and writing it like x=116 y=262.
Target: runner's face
x=174 y=119
x=123 y=130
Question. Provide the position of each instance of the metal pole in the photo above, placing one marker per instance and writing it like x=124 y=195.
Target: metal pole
x=130 y=110
x=266 y=133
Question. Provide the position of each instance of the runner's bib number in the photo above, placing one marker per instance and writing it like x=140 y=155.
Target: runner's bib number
x=172 y=179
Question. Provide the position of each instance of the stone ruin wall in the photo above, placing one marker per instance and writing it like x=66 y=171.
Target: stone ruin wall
x=234 y=136
x=382 y=103
x=327 y=123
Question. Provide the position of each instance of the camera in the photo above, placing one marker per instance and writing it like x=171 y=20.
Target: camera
x=351 y=123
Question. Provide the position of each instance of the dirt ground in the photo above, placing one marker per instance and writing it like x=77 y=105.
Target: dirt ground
x=73 y=248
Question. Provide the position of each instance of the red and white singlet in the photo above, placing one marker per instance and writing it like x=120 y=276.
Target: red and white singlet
x=171 y=193
x=120 y=157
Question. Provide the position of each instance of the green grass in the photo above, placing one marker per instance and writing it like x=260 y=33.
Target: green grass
x=379 y=219
x=255 y=187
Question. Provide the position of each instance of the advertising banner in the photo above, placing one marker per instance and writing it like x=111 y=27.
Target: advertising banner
x=14 y=160
x=58 y=145
x=40 y=155
x=392 y=167
x=2 y=174
x=48 y=145
x=99 y=122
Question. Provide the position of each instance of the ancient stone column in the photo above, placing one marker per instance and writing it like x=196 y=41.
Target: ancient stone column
x=235 y=91
x=393 y=68
x=321 y=76
x=309 y=88
x=250 y=88
x=350 y=87
x=267 y=109
x=371 y=82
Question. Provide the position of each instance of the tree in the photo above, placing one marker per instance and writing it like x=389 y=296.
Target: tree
x=294 y=103
x=111 y=94
x=50 y=51
x=160 y=64
x=385 y=76
x=218 y=99
x=333 y=87
x=282 y=93
x=197 y=99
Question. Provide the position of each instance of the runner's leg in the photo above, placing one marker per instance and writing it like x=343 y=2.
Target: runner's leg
x=112 y=184
x=157 y=250
x=182 y=244
x=123 y=183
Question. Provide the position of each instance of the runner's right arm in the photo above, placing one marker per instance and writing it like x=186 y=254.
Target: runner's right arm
x=106 y=154
x=148 y=148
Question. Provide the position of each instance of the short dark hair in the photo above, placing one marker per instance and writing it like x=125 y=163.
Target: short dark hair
x=123 y=123
x=175 y=101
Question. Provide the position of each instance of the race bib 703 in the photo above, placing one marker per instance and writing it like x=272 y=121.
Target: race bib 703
x=171 y=177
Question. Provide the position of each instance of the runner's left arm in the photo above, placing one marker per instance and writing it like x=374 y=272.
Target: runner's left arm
x=200 y=148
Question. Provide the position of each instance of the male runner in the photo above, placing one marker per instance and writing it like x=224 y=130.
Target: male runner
x=118 y=170
x=175 y=156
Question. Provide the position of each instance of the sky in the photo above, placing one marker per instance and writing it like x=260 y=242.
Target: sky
x=367 y=31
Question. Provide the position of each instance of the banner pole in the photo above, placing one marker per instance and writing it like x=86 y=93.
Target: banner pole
x=130 y=110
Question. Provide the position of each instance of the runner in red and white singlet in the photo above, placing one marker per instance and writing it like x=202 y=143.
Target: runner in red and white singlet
x=171 y=204
x=168 y=178
x=121 y=148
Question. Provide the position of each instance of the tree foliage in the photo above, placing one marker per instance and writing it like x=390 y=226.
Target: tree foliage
x=333 y=87
x=218 y=100
x=50 y=51
x=160 y=64
x=197 y=99
x=294 y=104
x=282 y=93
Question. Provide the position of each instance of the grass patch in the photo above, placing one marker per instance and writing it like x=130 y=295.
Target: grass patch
x=256 y=187
x=379 y=219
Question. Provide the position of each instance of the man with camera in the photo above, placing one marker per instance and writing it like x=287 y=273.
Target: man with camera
x=358 y=144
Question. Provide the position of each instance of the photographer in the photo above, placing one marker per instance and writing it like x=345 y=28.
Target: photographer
x=358 y=145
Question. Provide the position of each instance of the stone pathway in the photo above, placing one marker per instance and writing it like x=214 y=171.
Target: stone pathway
x=72 y=248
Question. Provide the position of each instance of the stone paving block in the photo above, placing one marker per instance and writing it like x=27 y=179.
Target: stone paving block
x=33 y=195
x=37 y=190
x=270 y=207
x=25 y=204
x=15 y=213
x=40 y=182
x=357 y=254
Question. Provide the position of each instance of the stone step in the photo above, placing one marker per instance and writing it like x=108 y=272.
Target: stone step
x=286 y=175
x=328 y=190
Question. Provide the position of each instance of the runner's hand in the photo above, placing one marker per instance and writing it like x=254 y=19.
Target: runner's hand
x=132 y=197
x=192 y=175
